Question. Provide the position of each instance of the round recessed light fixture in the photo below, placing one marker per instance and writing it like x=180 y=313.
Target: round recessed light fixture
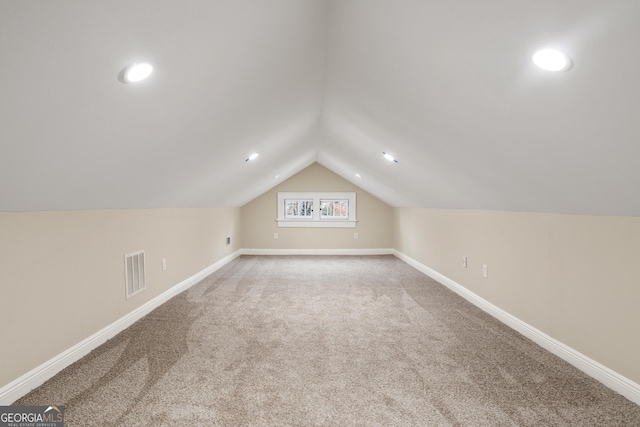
x=389 y=157
x=552 y=60
x=252 y=157
x=136 y=72
x=358 y=175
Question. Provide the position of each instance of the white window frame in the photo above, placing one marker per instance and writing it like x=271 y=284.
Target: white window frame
x=316 y=220
x=300 y=217
x=331 y=206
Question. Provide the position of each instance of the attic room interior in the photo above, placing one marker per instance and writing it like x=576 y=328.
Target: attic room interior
x=511 y=186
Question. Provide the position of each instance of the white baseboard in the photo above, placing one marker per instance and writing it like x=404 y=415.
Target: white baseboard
x=36 y=377
x=606 y=376
x=381 y=251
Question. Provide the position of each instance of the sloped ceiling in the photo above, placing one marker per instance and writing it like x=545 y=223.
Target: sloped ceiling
x=447 y=87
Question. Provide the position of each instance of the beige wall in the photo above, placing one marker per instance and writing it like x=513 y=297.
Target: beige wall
x=259 y=218
x=62 y=273
x=576 y=278
x=573 y=277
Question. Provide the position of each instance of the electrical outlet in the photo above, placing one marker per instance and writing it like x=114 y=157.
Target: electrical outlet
x=356 y=235
x=485 y=271
x=464 y=261
x=228 y=240
x=164 y=264
x=275 y=236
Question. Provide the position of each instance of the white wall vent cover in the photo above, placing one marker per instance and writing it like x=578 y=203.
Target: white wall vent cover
x=134 y=273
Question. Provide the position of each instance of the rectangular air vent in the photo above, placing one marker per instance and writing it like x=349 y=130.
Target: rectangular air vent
x=134 y=273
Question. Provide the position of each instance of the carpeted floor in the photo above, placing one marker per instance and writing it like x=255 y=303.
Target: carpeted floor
x=325 y=341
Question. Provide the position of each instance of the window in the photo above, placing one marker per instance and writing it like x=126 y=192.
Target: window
x=317 y=209
x=334 y=209
x=296 y=209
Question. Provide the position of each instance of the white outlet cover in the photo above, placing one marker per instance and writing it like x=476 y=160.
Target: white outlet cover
x=275 y=236
x=356 y=235
x=485 y=271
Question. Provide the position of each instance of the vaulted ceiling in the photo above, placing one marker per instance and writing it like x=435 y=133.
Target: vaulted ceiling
x=447 y=87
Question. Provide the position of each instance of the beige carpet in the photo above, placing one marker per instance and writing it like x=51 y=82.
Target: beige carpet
x=325 y=341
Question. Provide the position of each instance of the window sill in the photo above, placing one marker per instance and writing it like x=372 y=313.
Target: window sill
x=315 y=224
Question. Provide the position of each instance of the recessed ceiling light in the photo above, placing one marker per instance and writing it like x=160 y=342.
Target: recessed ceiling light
x=389 y=157
x=358 y=175
x=252 y=157
x=276 y=177
x=137 y=72
x=552 y=60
